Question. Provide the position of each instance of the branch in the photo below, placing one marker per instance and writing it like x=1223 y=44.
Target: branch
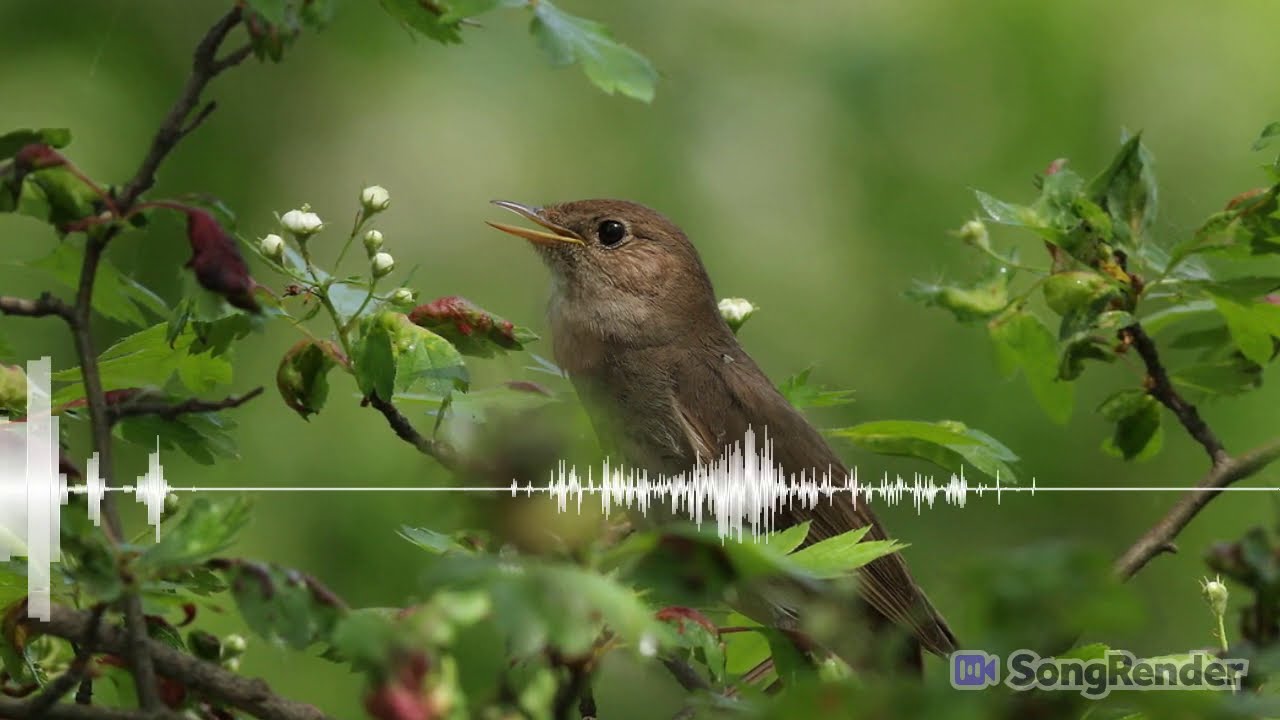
x=205 y=66
x=18 y=710
x=249 y=695
x=169 y=411
x=442 y=452
x=75 y=673
x=1161 y=388
x=46 y=304
x=1160 y=537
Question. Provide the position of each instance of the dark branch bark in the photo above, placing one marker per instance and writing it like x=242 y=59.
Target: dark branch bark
x=250 y=695
x=205 y=66
x=43 y=306
x=1161 y=388
x=1159 y=539
x=75 y=674
x=442 y=452
x=19 y=710
x=169 y=410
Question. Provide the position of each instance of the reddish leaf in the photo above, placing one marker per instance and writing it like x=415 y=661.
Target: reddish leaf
x=217 y=262
x=470 y=328
x=37 y=156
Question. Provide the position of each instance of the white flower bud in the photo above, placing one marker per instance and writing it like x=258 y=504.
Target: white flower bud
x=648 y=645
x=974 y=233
x=403 y=296
x=171 y=504
x=372 y=242
x=232 y=664
x=375 y=199
x=736 y=311
x=383 y=264
x=302 y=223
x=234 y=645
x=1215 y=593
x=272 y=246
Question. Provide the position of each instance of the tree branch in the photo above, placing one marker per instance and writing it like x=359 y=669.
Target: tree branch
x=168 y=410
x=442 y=452
x=1160 y=537
x=205 y=66
x=46 y=304
x=1161 y=388
x=250 y=695
x=19 y=710
x=75 y=673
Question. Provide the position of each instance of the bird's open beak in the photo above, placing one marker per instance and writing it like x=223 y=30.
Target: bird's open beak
x=557 y=233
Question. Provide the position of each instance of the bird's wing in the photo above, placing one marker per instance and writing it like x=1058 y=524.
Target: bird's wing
x=721 y=395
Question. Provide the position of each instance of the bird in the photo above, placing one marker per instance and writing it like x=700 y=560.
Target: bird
x=635 y=324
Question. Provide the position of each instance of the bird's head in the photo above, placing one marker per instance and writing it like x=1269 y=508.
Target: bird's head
x=619 y=266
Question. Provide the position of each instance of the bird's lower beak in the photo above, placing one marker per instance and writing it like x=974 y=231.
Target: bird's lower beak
x=557 y=233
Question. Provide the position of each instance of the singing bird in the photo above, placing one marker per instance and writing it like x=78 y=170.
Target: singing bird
x=635 y=323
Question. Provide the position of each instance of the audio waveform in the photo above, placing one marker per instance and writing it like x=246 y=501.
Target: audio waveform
x=741 y=490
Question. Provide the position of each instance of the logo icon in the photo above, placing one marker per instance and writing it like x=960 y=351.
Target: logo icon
x=974 y=670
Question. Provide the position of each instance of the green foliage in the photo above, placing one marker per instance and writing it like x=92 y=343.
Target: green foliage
x=1110 y=280
x=611 y=66
x=800 y=392
x=950 y=445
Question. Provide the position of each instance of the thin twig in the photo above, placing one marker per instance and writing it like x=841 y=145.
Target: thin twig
x=75 y=673
x=1161 y=388
x=442 y=452
x=205 y=67
x=250 y=695
x=168 y=410
x=1159 y=538
x=19 y=710
x=45 y=305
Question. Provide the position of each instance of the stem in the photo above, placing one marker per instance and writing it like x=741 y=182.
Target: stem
x=355 y=229
x=364 y=304
x=1222 y=635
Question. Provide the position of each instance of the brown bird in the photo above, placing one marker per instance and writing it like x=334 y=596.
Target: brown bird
x=635 y=323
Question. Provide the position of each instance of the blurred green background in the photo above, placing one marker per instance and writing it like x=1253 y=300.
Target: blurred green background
x=816 y=153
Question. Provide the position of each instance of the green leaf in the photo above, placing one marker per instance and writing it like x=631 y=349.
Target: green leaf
x=784 y=541
x=374 y=361
x=302 y=377
x=1009 y=214
x=1231 y=376
x=424 y=360
x=282 y=605
x=115 y=295
x=273 y=11
x=609 y=65
x=204 y=437
x=1137 y=434
x=147 y=359
x=461 y=9
x=205 y=528
x=744 y=650
x=1252 y=326
x=1127 y=190
x=12 y=142
x=1024 y=343
x=975 y=302
x=802 y=394
x=840 y=555
x=1264 y=138
x=433 y=542
x=1167 y=317
x=1065 y=292
x=948 y=444
x=425 y=18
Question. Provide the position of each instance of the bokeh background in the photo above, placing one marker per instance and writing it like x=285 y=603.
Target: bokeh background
x=817 y=153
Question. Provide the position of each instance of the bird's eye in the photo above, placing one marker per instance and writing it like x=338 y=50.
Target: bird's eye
x=611 y=232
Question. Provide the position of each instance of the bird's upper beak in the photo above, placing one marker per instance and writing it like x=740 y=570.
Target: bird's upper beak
x=557 y=233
